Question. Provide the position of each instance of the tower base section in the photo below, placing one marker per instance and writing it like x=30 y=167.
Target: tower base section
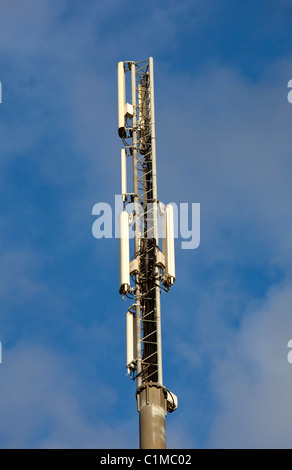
x=152 y=408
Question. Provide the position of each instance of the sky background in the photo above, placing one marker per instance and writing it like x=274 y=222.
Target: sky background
x=223 y=128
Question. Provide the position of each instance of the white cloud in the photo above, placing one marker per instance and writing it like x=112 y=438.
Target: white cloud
x=253 y=380
x=40 y=405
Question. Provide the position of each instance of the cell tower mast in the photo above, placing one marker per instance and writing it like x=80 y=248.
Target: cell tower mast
x=150 y=270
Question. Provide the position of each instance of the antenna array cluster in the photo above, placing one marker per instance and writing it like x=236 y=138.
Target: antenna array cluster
x=150 y=269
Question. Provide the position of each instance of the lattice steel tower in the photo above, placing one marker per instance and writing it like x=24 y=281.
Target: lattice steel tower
x=150 y=269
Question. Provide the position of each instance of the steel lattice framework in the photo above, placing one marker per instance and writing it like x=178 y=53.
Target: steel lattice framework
x=139 y=143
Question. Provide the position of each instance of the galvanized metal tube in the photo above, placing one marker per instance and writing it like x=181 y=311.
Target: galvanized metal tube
x=151 y=404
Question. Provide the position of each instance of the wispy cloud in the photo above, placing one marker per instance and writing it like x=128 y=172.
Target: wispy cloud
x=254 y=380
x=40 y=409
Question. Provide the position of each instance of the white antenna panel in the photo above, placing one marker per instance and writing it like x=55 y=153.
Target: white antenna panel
x=168 y=244
x=130 y=341
x=124 y=252
x=121 y=99
x=124 y=174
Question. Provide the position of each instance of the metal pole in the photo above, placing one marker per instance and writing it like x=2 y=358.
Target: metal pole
x=151 y=399
x=151 y=402
x=136 y=221
x=154 y=177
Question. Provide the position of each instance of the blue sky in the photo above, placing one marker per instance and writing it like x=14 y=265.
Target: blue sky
x=223 y=127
